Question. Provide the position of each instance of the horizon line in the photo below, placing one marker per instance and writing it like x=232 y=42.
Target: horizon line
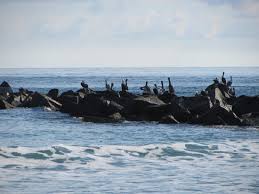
x=137 y=67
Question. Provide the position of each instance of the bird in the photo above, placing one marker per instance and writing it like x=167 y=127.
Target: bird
x=170 y=87
x=229 y=83
x=155 y=89
x=84 y=85
x=223 y=79
x=107 y=86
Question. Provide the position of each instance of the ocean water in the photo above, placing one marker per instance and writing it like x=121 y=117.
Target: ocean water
x=51 y=152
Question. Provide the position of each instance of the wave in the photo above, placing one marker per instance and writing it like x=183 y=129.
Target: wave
x=63 y=157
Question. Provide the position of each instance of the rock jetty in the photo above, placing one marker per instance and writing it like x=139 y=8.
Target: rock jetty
x=216 y=105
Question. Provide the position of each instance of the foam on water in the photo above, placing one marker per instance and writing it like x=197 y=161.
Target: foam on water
x=223 y=167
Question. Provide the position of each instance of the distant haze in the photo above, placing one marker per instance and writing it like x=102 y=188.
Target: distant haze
x=129 y=33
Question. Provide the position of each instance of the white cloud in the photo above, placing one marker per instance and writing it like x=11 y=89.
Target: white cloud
x=128 y=31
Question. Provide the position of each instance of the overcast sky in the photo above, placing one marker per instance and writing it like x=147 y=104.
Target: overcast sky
x=129 y=33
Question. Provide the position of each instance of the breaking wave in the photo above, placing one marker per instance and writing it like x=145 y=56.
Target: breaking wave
x=65 y=157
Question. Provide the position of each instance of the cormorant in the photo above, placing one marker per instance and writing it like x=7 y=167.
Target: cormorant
x=112 y=86
x=146 y=89
x=84 y=85
x=216 y=81
x=170 y=87
x=124 y=85
x=155 y=89
x=162 y=87
x=223 y=79
x=229 y=83
x=107 y=86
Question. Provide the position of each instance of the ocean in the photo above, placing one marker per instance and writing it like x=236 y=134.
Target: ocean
x=43 y=151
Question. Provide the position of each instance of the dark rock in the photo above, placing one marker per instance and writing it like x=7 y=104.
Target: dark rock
x=167 y=97
x=251 y=118
x=5 y=105
x=141 y=106
x=5 y=88
x=196 y=105
x=154 y=112
x=114 y=118
x=179 y=112
x=219 y=115
x=92 y=105
x=168 y=119
x=40 y=100
x=53 y=93
x=246 y=104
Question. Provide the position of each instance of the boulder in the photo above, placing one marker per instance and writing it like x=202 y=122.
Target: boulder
x=251 y=119
x=5 y=88
x=40 y=100
x=246 y=104
x=219 y=115
x=5 y=105
x=196 y=105
x=92 y=105
x=114 y=118
x=154 y=112
x=53 y=93
x=179 y=112
x=167 y=97
x=168 y=119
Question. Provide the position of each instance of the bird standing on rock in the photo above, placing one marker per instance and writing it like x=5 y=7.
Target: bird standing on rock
x=155 y=89
x=146 y=89
x=170 y=87
x=223 y=79
x=107 y=86
x=124 y=85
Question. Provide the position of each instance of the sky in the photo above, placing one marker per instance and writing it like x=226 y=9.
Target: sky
x=129 y=33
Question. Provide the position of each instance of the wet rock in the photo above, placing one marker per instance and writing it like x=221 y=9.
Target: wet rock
x=219 y=115
x=168 y=119
x=246 y=104
x=92 y=105
x=5 y=88
x=53 y=93
x=251 y=119
x=5 y=105
x=179 y=112
x=196 y=105
x=40 y=100
x=114 y=118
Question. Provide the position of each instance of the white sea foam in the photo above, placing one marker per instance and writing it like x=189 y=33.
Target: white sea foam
x=108 y=156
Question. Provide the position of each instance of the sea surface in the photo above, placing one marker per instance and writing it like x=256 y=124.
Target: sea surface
x=50 y=152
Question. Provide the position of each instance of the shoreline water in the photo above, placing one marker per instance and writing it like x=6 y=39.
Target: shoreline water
x=60 y=154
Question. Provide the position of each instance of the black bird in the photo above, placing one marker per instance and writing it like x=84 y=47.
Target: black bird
x=146 y=89
x=84 y=85
x=223 y=79
x=124 y=85
x=162 y=87
x=229 y=83
x=107 y=86
x=216 y=81
x=170 y=87
x=155 y=89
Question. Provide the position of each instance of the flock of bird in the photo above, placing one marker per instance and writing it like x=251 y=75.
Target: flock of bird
x=157 y=90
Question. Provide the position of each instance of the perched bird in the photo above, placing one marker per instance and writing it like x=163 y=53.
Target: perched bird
x=124 y=85
x=146 y=89
x=107 y=86
x=155 y=89
x=84 y=85
x=162 y=87
x=223 y=79
x=229 y=83
x=112 y=86
x=170 y=87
